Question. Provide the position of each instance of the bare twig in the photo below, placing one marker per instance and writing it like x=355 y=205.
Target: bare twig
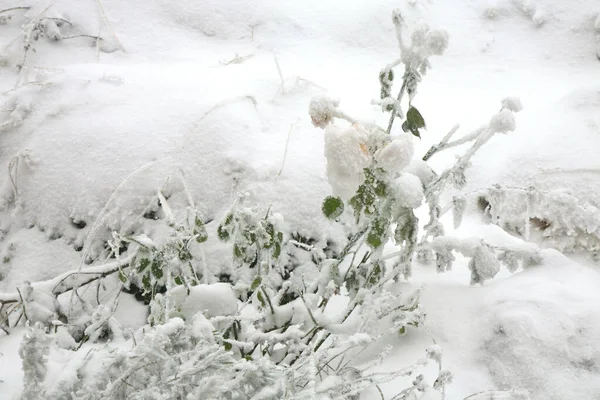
x=13 y=9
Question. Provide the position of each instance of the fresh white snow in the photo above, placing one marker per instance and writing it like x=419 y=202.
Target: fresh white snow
x=210 y=99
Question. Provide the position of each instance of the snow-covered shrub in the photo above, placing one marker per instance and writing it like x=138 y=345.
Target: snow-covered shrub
x=37 y=24
x=555 y=217
x=288 y=319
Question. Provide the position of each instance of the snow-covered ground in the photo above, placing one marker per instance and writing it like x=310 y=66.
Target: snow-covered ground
x=213 y=95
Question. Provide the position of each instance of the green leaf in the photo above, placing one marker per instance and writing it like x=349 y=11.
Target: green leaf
x=223 y=230
x=146 y=283
x=122 y=276
x=375 y=275
x=223 y=233
x=178 y=280
x=256 y=283
x=332 y=207
x=260 y=298
x=402 y=330
x=277 y=250
x=378 y=234
x=414 y=118
x=228 y=346
x=414 y=122
x=144 y=262
x=406 y=228
x=156 y=269
x=237 y=251
x=270 y=229
x=248 y=357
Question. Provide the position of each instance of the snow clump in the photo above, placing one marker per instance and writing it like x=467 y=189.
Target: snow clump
x=347 y=155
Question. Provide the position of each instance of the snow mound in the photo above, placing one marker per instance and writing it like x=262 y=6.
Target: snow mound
x=541 y=330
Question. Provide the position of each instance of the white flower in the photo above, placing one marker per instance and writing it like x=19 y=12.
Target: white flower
x=347 y=155
x=437 y=41
x=322 y=109
x=407 y=190
x=503 y=122
x=396 y=156
x=512 y=103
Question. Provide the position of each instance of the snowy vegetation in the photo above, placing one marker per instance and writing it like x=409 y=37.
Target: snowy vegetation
x=294 y=314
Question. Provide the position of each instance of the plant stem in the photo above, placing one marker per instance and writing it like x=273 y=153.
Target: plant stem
x=399 y=98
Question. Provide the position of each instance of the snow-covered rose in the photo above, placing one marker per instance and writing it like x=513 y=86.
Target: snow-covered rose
x=322 y=109
x=512 y=103
x=437 y=41
x=503 y=122
x=396 y=155
x=407 y=190
x=347 y=155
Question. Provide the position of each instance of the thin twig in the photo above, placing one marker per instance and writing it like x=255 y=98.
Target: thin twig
x=399 y=99
x=109 y=25
x=287 y=144
x=14 y=8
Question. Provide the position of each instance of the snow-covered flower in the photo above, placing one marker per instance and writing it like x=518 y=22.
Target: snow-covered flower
x=347 y=155
x=396 y=156
x=407 y=190
x=512 y=103
x=437 y=41
x=322 y=109
x=503 y=122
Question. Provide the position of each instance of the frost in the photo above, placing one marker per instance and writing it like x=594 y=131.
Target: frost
x=597 y=23
x=322 y=109
x=503 y=122
x=408 y=191
x=347 y=155
x=396 y=155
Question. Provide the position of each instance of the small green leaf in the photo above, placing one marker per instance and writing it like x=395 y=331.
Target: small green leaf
x=122 y=276
x=256 y=283
x=146 y=283
x=402 y=330
x=223 y=230
x=201 y=235
x=332 y=207
x=248 y=357
x=144 y=262
x=223 y=233
x=378 y=232
x=414 y=118
x=199 y=223
x=276 y=250
x=260 y=298
x=228 y=346
x=156 y=269
x=237 y=251
x=270 y=229
x=178 y=280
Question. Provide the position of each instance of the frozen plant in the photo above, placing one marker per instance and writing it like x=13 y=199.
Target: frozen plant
x=34 y=350
x=290 y=317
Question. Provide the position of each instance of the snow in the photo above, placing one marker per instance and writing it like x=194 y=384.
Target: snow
x=408 y=190
x=211 y=300
x=219 y=89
